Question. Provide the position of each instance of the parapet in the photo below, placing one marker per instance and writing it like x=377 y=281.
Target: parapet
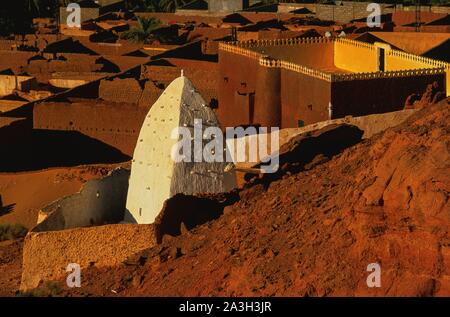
x=388 y=74
x=236 y=49
x=420 y=59
x=244 y=48
x=280 y=42
x=355 y=43
x=306 y=70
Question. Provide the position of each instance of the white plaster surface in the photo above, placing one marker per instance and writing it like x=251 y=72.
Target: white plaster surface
x=155 y=176
x=100 y=201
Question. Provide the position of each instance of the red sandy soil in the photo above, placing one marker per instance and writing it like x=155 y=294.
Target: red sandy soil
x=10 y=266
x=314 y=232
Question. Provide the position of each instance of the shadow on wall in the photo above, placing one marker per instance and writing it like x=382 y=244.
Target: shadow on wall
x=440 y=52
x=39 y=149
x=5 y=209
x=191 y=51
x=100 y=202
x=191 y=211
x=309 y=149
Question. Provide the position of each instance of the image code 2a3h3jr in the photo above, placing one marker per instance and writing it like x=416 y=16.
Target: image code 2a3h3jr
x=210 y=148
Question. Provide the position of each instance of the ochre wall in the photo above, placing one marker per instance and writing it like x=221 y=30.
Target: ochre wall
x=101 y=246
x=397 y=60
x=369 y=96
x=288 y=92
x=267 y=111
x=67 y=83
x=9 y=83
x=298 y=91
x=242 y=75
x=115 y=124
x=318 y=55
x=355 y=56
x=401 y=62
x=237 y=73
x=16 y=60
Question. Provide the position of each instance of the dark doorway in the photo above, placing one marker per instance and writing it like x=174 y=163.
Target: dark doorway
x=381 y=59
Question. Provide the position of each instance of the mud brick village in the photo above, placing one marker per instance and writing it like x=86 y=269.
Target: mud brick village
x=353 y=105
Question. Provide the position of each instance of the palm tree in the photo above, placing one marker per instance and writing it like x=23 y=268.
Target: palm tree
x=172 y=5
x=144 y=33
x=32 y=6
x=156 y=5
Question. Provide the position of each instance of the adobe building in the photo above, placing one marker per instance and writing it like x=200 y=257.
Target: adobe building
x=294 y=82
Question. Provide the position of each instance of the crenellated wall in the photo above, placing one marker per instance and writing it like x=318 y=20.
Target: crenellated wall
x=355 y=56
x=398 y=60
x=370 y=93
x=289 y=82
x=312 y=52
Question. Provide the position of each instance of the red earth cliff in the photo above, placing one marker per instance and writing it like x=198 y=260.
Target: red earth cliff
x=313 y=232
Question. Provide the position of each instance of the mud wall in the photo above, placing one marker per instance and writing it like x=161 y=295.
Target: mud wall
x=15 y=60
x=397 y=60
x=47 y=254
x=72 y=63
x=424 y=29
x=67 y=83
x=129 y=90
x=250 y=93
x=315 y=54
x=115 y=124
x=405 y=17
x=286 y=7
x=120 y=90
x=9 y=83
x=346 y=12
x=355 y=56
x=13 y=129
x=237 y=80
x=267 y=108
x=378 y=95
x=100 y=201
x=303 y=98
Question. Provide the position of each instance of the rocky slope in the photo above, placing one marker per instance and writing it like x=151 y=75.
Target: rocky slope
x=313 y=230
